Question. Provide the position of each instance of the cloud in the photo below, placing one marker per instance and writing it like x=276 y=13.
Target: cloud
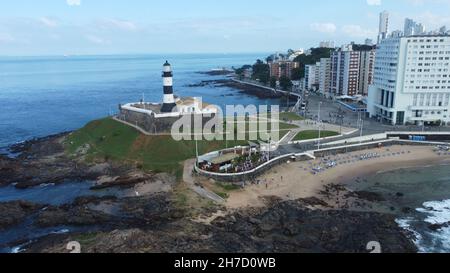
x=324 y=27
x=6 y=38
x=116 y=24
x=358 y=32
x=48 y=22
x=73 y=2
x=374 y=2
x=97 y=40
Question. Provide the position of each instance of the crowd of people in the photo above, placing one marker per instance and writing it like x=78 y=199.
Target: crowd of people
x=333 y=161
x=250 y=162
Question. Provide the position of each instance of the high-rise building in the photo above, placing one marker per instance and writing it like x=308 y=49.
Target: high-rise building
x=419 y=30
x=412 y=80
x=409 y=28
x=317 y=76
x=282 y=69
x=366 y=68
x=310 y=76
x=413 y=28
x=352 y=70
x=325 y=77
x=384 y=26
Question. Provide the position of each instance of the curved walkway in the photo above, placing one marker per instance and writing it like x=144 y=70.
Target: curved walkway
x=190 y=181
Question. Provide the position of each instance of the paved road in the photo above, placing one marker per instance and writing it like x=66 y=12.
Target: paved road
x=190 y=181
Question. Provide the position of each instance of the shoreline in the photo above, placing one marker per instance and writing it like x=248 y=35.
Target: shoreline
x=149 y=211
x=283 y=181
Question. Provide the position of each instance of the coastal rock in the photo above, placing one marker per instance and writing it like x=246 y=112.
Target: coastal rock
x=43 y=161
x=12 y=213
x=407 y=210
x=123 y=181
x=283 y=227
x=41 y=147
x=368 y=196
x=218 y=72
x=437 y=227
x=78 y=216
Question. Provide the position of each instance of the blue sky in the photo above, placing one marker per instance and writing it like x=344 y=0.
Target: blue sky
x=54 y=27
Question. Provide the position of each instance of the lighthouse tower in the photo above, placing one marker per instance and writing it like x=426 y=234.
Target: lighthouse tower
x=169 y=99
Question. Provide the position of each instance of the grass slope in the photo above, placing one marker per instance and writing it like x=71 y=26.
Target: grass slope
x=112 y=140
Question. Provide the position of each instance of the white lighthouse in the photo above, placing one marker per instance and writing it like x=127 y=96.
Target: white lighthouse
x=169 y=99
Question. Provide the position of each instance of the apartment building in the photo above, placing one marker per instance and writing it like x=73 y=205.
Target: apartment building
x=282 y=68
x=352 y=70
x=311 y=79
x=412 y=80
x=325 y=77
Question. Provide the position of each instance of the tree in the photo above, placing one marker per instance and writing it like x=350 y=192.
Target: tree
x=286 y=83
x=273 y=82
x=261 y=71
x=240 y=71
x=296 y=74
x=314 y=57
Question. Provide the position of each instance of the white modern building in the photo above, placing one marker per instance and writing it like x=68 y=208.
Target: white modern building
x=412 y=80
x=383 y=28
x=413 y=28
x=310 y=76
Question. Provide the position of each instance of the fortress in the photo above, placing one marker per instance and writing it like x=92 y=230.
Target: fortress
x=158 y=118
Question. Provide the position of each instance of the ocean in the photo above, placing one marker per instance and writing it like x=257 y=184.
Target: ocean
x=40 y=96
x=425 y=192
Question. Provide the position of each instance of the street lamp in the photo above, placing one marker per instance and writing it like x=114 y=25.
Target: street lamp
x=361 y=126
x=318 y=120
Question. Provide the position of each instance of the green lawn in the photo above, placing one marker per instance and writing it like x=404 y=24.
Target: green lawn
x=285 y=116
x=307 y=135
x=290 y=116
x=255 y=124
x=112 y=140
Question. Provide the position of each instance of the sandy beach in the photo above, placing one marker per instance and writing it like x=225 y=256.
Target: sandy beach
x=296 y=180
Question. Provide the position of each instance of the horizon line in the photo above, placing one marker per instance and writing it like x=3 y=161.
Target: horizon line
x=135 y=54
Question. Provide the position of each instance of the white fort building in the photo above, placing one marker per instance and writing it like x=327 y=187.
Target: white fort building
x=156 y=117
x=412 y=81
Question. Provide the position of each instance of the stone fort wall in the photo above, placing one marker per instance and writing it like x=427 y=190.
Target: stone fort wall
x=153 y=125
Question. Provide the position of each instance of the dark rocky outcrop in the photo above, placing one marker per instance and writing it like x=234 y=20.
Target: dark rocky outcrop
x=43 y=161
x=281 y=227
x=15 y=212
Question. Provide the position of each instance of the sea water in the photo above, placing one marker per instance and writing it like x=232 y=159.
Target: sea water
x=426 y=191
x=40 y=96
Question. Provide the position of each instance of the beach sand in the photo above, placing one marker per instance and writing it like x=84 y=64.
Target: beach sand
x=296 y=181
